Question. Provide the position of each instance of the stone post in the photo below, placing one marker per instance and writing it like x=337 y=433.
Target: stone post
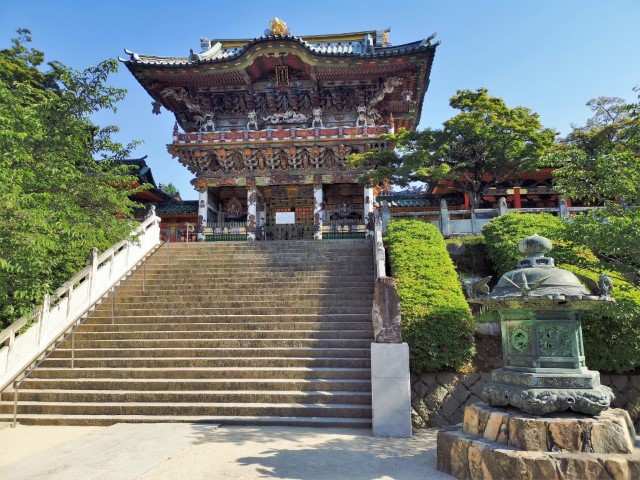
x=203 y=210
x=445 y=219
x=385 y=215
x=502 y=206
x=252 y=202
x=390 y=377
x=563 y=210
x=368 y=206
x=318 y=207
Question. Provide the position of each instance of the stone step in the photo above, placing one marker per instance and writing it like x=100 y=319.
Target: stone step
x=105 y=310
x=99 y=317
x=230 y=352
x=244 y=260
x=120 y=328
x=213 y=343
x=190 y=384
x=263 y=420
x=253 y=301
x=246 y=290
x=207 y=368
x=240 y=333
x=224 y=334
x=353 y=275
x=249 y=282
x=60 y=396
x=190 y=408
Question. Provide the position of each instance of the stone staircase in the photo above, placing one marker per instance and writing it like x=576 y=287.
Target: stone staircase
x=269 y=333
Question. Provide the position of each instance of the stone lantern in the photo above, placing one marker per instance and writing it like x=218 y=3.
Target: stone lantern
x=524 y=429
x=544 y=365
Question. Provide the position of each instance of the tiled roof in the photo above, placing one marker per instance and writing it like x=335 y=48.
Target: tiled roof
x=177 y=208
x=364 y=48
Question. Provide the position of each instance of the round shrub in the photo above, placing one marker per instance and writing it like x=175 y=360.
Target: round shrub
x=436 y=320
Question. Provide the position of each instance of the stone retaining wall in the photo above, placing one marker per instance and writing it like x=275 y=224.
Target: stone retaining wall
x=438 y=399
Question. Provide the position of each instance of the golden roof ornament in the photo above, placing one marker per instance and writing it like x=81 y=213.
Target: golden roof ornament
x=278 y=27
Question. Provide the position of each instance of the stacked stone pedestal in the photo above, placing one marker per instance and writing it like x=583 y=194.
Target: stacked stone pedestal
x=496 y=443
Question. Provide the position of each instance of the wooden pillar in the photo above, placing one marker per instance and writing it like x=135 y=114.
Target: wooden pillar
x=467 y=201
x=516 y=198
x=318 y=207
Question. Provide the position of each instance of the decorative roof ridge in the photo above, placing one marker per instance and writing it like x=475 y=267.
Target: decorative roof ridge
x=206 y=58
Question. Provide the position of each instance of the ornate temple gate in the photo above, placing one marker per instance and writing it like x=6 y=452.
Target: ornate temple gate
x=268 y=126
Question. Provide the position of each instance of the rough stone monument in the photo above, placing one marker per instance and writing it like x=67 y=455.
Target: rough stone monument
x=546 y=414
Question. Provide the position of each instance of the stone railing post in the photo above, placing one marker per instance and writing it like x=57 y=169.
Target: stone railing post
x=445 y=219
x=385 y=214
x=318 y=207
x=502 y=206
x=252 y=211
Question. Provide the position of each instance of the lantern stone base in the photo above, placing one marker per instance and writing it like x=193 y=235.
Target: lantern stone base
x=541 y=393
x=495 y=444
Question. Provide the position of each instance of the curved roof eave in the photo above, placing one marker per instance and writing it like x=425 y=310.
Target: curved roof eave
x=399 y=50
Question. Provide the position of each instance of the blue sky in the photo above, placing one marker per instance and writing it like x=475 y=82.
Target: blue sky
x=548 y=55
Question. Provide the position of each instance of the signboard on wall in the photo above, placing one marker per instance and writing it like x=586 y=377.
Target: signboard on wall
x=285 y=218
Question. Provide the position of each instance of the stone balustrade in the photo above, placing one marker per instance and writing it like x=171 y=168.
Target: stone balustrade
x=60 y=311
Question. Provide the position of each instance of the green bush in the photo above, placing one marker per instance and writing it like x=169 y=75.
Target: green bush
x=611 y=331
x=436 y=320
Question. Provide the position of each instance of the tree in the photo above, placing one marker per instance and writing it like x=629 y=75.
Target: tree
x=599 y=164
x=170 y=189
x=484 y=145
x=57 y=201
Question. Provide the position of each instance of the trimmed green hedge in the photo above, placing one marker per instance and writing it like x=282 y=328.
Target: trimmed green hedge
x=611 y=331
x=436 y=320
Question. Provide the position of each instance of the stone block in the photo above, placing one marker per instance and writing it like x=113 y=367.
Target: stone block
x=461 y=393
x=436 y=397
x=449 y=380
x=494 y=428
x=470 y=421
x=390 y=360
x=438 y=420
x=421 y=389
x=450 y=407
x=617 y=467
x=611 y=435
x=476 y=388
x=471 y=378
x=565 y=436
x=394 y=424
x=527 y=434
x=457 y=417
x=429 y=379
x=390 y=390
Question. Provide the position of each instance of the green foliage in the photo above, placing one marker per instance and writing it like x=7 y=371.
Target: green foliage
x=57 y=201
x=504 y=233
x=483 y=145
x=436 y=320
x=599 y=164
x=611 y=331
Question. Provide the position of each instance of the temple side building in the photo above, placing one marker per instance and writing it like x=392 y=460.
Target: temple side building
x=266 y=124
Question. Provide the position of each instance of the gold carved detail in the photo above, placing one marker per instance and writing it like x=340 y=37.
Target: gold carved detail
x=278 y=27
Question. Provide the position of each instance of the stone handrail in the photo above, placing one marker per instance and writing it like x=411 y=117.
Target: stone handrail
x=379 y=256
x=61 y=310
